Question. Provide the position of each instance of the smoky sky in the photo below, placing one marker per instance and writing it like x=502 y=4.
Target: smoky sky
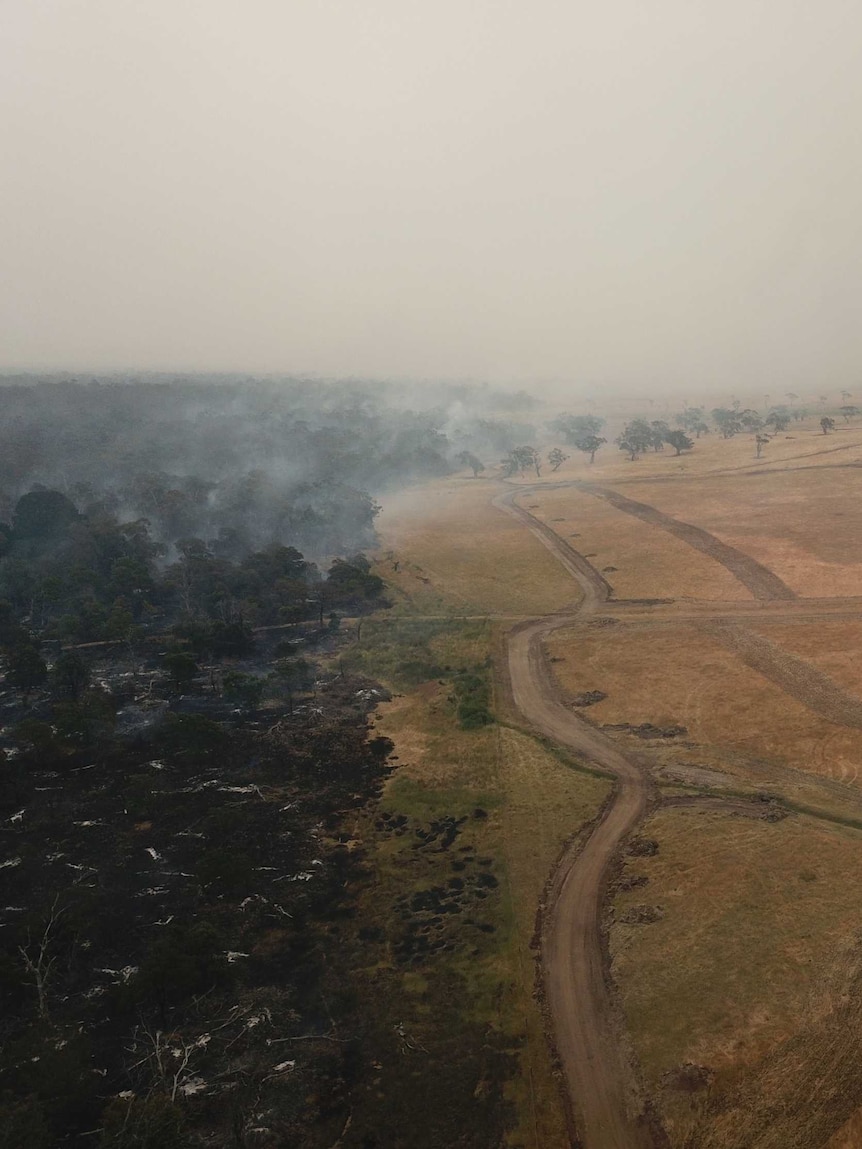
x=619 y=192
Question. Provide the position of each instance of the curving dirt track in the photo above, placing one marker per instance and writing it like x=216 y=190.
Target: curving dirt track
x=611 y=1110
x=596 y=588
x=603 y=1087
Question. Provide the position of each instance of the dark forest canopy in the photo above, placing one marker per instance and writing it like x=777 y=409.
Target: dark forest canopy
x=241 y=462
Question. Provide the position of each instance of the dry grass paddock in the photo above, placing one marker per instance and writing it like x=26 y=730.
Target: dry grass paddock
x=646 y=562
x=833 y=645
x=750 y=962
x=683 y=675
x=804 y=524
x=454 y=550
x=756 y=938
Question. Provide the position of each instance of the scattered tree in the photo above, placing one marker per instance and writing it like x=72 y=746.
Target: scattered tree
x=679 y=441
x=780 y=420
x=659 y=432
x=556 y=458
x=635 y=438
x=750 y=420
x=70 y=675
x=589 y=444
x=295 y=675
x=246 y=690
x=727 y=421
x=40 y=957
x=520 y=459
x=182 y=668
x=827 y=424
x=760 y=443
x=690 y=418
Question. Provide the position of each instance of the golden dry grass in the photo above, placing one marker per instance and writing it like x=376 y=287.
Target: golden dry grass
x=757 y=918
x=454 y=549
x=682 y=675
x=758 y=921
x=834 y=646
x=802 y=524
x=650 y=563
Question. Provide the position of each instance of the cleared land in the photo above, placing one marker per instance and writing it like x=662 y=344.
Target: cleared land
x=804 y=525
x=624 y=549
x=693 y=675
x=733 y=931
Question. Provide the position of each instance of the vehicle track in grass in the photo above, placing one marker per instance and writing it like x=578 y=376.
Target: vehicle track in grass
x=763 y=583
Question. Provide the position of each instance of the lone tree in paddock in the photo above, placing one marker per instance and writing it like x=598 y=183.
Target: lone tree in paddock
x=468 y=459
x=556 y=458
x=848 y=410
x=827 y=424
x=760 y=442
x=679 y=441
x=589 y=444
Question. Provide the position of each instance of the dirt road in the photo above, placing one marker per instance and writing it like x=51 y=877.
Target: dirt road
x=608 y=1103
x=610 y=1109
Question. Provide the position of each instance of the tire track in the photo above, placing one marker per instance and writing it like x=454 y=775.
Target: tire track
x=796 y=677
x=763 y=583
